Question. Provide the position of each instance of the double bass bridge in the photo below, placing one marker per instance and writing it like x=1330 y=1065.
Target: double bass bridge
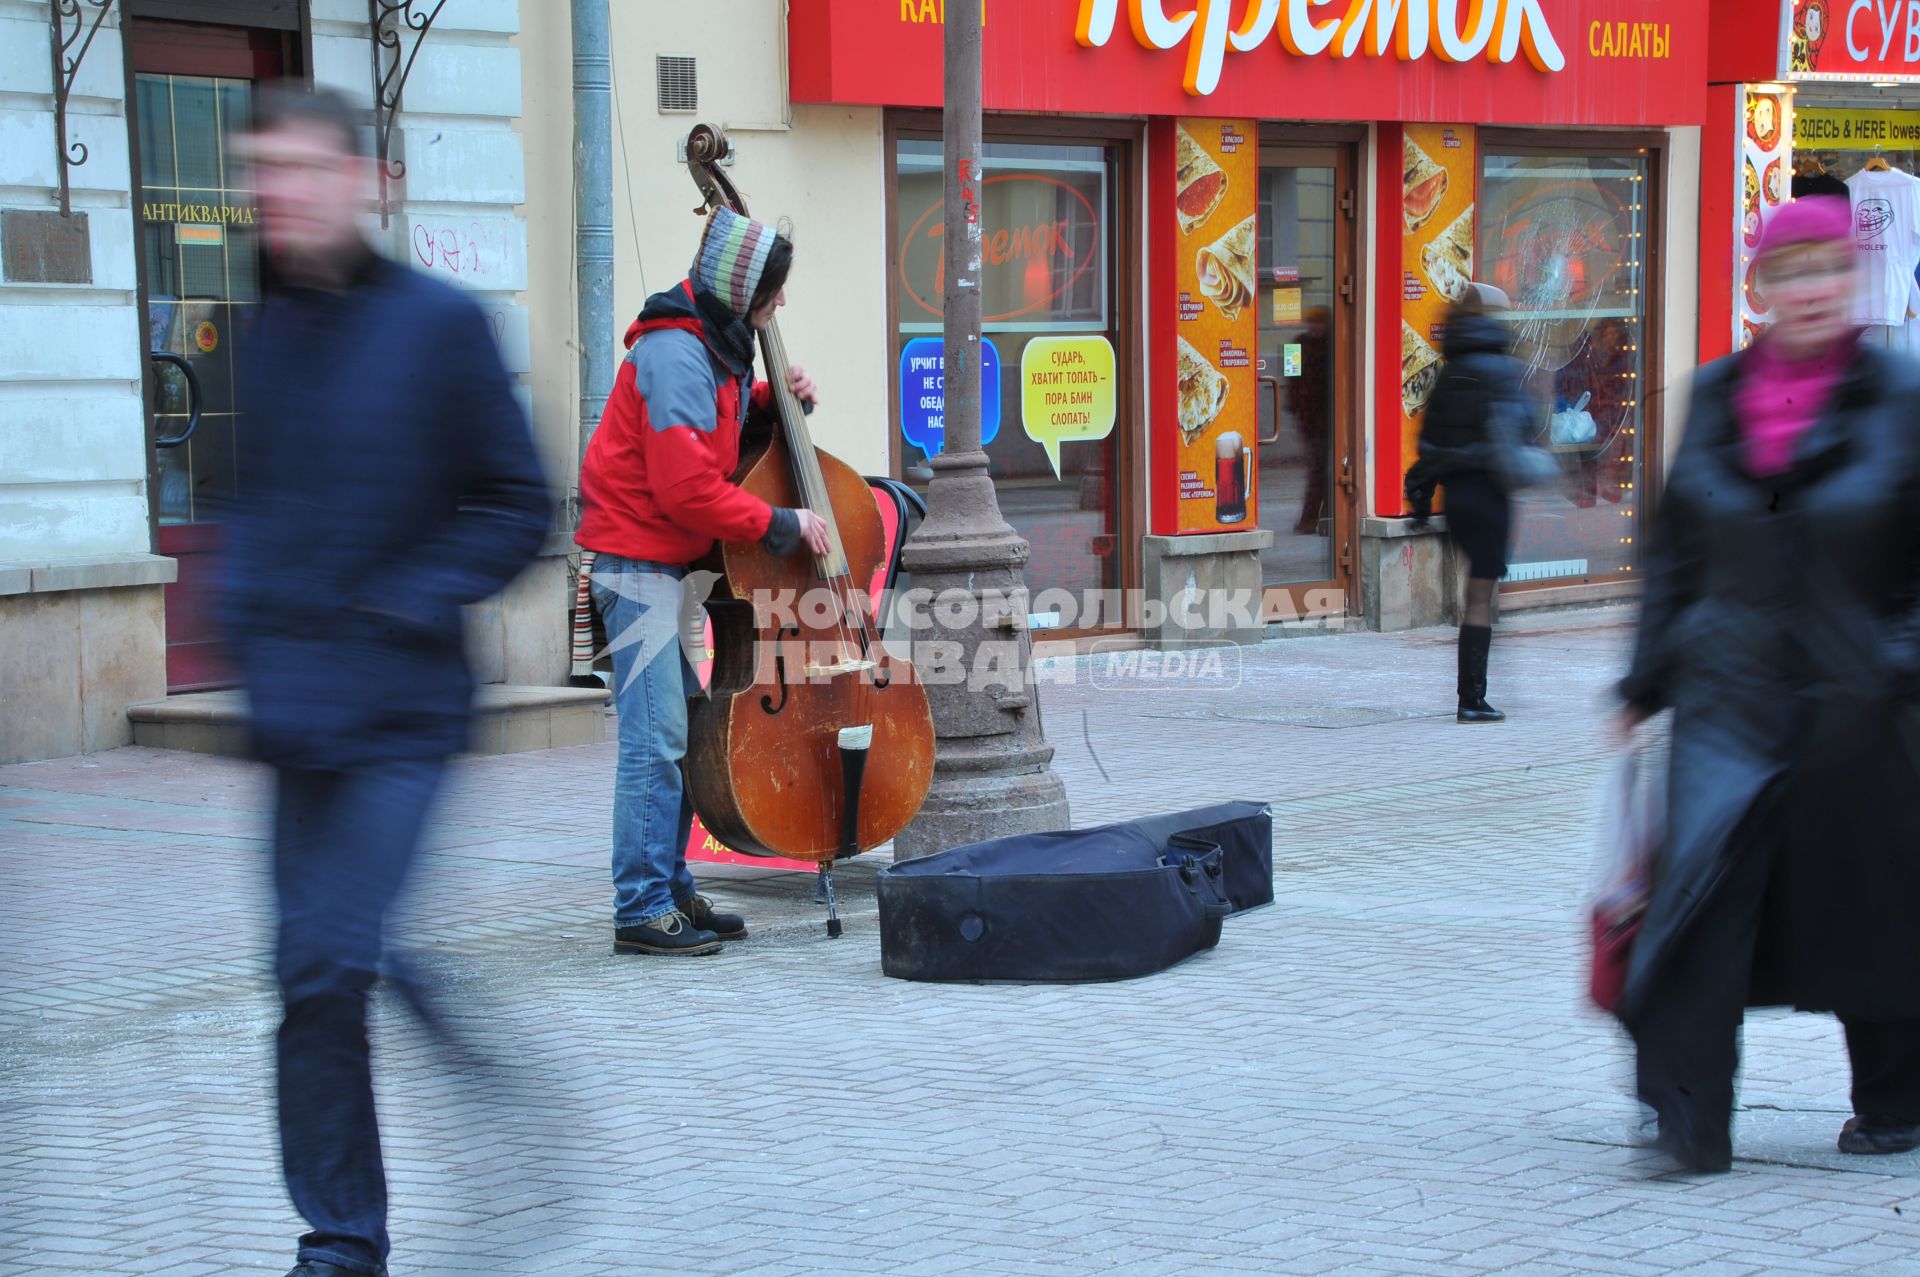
x=843 y=665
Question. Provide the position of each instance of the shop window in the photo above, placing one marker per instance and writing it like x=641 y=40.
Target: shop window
x=1049 y=272
x=201 y=252
x=1566 y=237
x=1859 y=150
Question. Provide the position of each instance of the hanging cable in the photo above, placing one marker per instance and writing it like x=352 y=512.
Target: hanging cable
x=626 y=168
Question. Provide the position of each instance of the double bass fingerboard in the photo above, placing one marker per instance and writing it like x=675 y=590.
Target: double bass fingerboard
x=812 y=484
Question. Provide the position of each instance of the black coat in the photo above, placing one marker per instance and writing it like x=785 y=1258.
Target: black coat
x=1781 y=623
x=388 y=478
x=1478 y=379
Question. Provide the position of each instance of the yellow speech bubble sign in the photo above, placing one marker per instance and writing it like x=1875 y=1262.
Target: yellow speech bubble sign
x=1067 y=392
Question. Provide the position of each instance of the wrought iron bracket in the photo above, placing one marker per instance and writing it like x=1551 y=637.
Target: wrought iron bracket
x=66 y=68
x=391 y=67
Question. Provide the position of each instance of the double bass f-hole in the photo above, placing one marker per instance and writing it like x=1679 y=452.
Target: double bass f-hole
x=767 y=702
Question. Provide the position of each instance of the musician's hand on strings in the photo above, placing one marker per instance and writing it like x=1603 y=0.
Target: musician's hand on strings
x=813 y=528
x=802 y=385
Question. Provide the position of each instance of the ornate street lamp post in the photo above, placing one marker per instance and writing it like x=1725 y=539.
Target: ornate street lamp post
x=992 y=770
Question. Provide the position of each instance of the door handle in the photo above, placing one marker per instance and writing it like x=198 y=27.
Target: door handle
x=1273 y=388
x=193 y=398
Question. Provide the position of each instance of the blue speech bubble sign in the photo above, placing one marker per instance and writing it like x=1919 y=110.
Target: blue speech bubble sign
x=923 y=393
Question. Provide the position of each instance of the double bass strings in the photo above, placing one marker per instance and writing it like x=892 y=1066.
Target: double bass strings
x=706 y=148
x=852 y=630
x=854 y=700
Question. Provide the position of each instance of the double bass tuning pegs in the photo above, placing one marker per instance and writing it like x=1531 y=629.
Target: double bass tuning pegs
x=707 y=147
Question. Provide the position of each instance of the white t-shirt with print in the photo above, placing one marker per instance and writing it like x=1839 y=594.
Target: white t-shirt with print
x=1886 y=231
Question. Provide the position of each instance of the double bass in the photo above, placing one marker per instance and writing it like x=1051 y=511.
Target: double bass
x=814 y=742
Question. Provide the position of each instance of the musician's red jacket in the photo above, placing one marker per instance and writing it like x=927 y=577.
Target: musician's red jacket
x=655 y=484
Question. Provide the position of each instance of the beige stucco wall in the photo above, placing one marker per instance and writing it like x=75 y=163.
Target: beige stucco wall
x=826 y=173
x=546 y=139
x=521 y=635
x=1681 y=292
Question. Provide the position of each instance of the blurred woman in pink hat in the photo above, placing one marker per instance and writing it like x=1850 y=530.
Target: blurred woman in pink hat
x=1781 y=625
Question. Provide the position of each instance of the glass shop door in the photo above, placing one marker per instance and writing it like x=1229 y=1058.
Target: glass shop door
x=1308 y=454
x=199 y=270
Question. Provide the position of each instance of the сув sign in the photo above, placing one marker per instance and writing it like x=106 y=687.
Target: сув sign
x=1852 y=39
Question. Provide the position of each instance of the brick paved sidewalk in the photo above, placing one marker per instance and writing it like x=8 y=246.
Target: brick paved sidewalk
x=1391 y=1071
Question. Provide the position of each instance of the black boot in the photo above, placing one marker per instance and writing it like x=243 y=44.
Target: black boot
x=1873 y=1135
x=670 y=935
x=1700 y=1152
x=704 y=917
x=1475 y=641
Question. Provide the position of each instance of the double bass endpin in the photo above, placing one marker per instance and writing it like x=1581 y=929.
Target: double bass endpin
x=854 y=744
x=832 y=898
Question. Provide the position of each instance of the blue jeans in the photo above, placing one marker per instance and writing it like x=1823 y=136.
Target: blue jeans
x=652 y=814
x=343 y=841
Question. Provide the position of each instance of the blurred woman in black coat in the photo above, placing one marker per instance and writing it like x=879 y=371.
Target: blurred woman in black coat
x=1459 y=451
x=1781 y=624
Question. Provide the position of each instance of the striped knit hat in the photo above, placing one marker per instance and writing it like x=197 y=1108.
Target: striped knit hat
x=732 y=258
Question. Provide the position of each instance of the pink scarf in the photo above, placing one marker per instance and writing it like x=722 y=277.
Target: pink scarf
x=1779 y=399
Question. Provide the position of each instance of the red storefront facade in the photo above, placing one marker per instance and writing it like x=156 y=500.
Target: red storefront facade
x=1258 y=211
x=1800 y=90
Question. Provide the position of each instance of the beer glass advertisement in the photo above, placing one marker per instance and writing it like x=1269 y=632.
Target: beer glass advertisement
x=1217 y=172
x=1436 y=209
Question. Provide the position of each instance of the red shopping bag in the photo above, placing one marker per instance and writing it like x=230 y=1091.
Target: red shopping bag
x=1631 y=819
x=1612 y=951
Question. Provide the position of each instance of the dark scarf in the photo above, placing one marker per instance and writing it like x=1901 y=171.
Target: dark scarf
x=355 y=266
x=729 y=334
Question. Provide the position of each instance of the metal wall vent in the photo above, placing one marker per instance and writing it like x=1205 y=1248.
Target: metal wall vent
x=679 y=83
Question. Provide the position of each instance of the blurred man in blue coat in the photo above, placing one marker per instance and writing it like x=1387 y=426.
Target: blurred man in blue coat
x=388 y=479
